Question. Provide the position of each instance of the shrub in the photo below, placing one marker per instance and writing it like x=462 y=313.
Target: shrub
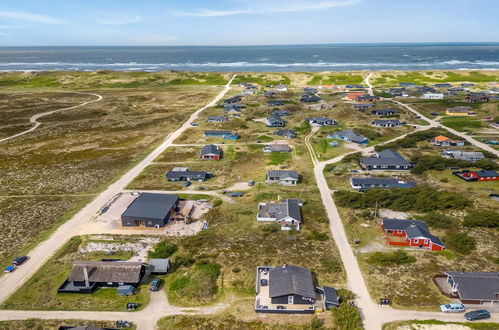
x=217 y=202
x=411 y=140
x=422 y=198
x=183 y=260
x=199 y=285
x=432 y=162
x=398 y=257
x=163 y=249
x=352 y=158
x=460 y=242
x=330 y=264
x=314 y=234
x=304 y=127
x=482 y=218
x=438 y=220
x=270 y=228
x=347 y=317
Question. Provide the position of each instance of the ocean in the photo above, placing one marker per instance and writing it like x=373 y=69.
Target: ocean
x=340 y=57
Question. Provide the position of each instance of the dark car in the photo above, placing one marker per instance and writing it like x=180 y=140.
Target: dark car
x=264 y=282
x=235 y=194
x=281 y=307
x=131 y=306
x=477 y=315
x=123 y=324
x=19 y=260
x=155 y=283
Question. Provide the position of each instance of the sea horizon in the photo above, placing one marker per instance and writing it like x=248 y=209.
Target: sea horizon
x=256 y=58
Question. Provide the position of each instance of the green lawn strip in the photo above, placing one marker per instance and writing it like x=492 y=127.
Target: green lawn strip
x=40 y=291
x=408 y=324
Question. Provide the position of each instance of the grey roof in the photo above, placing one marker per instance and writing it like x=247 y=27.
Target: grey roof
x=485 y=173
x=217 y=132
x=476 y=285
x=286 y=208
x=278 y=147
x=386 y=157
x=390 y=182
x=381 y=122
x=151 y=206
x=159 y=265
x=106 y=271
x=321 y=119
x=281 y=174
x=350 y=135
x=286 y=132
x=291 y=280
x=175 y=175
x=275 y=119
x=413 y=228
x=460 y=109
x=331 y=295
x=217 y=118
x=383 y=111
x=210 y=149
x=463 y=155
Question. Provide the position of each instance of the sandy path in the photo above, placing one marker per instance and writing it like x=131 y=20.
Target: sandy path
x=34 y=118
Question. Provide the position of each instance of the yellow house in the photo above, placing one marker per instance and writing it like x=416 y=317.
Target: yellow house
x=460 y=111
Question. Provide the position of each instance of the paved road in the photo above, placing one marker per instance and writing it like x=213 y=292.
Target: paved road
x=34 y=118
x=10 y=282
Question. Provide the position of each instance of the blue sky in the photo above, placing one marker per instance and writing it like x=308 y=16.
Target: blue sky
x=244 y=22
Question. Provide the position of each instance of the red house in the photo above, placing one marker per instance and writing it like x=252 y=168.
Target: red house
x=210 y=152
x=413 y=233
x=354 y=95
x=483 y=175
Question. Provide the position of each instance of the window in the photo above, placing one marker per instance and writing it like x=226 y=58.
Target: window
x=290 y=299
x=399 y=231
x=416 y=241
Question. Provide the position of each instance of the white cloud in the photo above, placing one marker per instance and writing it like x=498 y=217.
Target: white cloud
x=4 y=34
x=268 y=8
x=30 y=17
x=119 y=19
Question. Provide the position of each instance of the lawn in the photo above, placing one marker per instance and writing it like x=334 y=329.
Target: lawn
x=40 y=291
x=462 y=123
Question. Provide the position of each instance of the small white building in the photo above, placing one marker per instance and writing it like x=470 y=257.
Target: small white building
x=433 y=96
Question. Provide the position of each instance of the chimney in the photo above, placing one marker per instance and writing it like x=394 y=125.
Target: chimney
x=85 y=275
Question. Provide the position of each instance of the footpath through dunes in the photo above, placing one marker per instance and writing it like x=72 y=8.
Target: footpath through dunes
x=34 y=118
x=10 y=282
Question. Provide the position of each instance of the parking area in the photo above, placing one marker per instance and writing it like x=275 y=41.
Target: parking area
x=186 y=221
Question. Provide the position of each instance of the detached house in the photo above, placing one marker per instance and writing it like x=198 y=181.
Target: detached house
x=183 y=174
x=286 y=290
x=222 y=134
x=386 y=123
x=211 y=152
x=433 y=96
x=288 y=133
x=384 y=112
x=275 y=121
x=285 y=213
x=413 y=233
x=277 y=148
x=282 y=177
x=385 y=183
x=367 y=98
x=354 y=95
x=217 y=119
x=460 y=111
x=483 y=175
x=443 y=141
x=478 y=288
x=477 y=98
x=385 y=160
x=471 y=156
x=349 y=136
x=321 y=121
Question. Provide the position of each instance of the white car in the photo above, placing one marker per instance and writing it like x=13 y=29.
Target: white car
x=452 y=308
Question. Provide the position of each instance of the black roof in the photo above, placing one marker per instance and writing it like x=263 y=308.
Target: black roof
x=386 y=157
x=291 y=280
x=476 y=285
x=210 y=149
x=331 y=295
x=189 y=174
x=151 y=206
